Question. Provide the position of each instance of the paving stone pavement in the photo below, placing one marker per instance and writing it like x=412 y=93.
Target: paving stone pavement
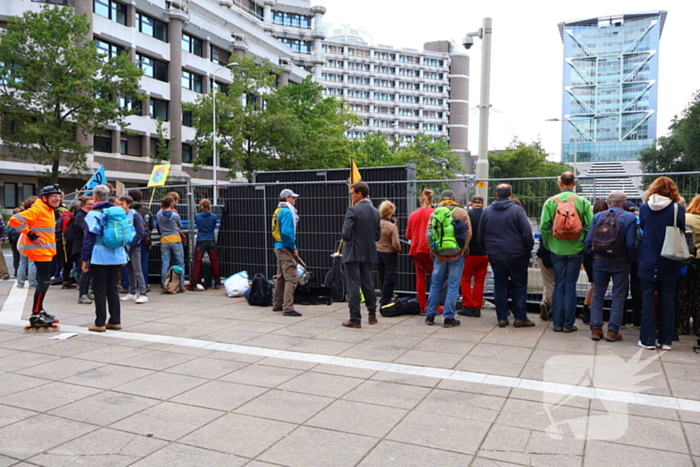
x=199 y=379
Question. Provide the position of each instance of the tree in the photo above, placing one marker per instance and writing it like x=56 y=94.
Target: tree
x=54 y=83
x=164 y=146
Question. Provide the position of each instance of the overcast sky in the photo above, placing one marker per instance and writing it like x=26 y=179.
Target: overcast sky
x=527 y=54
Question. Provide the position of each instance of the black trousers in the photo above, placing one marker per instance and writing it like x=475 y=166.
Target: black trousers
x=387 y=266
x=104 y=284
x=359 y=275
x=43 y=279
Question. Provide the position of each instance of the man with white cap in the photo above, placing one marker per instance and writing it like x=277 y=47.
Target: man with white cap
x=284 y=231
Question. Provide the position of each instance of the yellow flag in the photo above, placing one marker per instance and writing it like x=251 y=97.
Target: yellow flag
x=354 y=173
x=159 y=175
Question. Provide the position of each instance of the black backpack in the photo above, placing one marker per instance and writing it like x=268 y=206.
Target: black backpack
x=608 y=238
x=260 y=291
x=403 y=306
x=335 y=280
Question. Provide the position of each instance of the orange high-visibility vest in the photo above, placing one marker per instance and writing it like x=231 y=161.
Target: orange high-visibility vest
x=41 y=220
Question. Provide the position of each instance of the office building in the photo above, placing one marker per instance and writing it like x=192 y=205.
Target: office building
x=610 y=90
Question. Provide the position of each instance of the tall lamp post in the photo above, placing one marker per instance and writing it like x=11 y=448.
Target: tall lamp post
x=482 y=163
x=215 y=160
x=574 y=120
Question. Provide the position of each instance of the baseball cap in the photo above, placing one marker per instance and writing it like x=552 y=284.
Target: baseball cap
x=478 y=199
x=447 y=194
x=287 y=192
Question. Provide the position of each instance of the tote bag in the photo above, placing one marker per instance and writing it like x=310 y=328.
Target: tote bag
x=675 y=246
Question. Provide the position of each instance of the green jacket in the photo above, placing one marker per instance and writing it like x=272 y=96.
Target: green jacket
x=549 y=210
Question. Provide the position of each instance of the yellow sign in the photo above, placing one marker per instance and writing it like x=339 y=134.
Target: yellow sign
x=480 y=184
x=354 y=173
x=159 y=175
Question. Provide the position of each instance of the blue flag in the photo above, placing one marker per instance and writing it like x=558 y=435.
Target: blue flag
x=98 y=178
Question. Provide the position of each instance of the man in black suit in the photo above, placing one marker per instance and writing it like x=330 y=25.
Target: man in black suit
x=361 y=231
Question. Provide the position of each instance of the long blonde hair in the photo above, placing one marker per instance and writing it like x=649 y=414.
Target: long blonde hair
x=387 y=208
x=426 y=198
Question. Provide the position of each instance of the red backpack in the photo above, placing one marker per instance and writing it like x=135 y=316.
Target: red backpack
x=567 y=223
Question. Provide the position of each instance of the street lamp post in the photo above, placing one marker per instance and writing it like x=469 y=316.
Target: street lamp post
x=482 y=163
x=215 y=160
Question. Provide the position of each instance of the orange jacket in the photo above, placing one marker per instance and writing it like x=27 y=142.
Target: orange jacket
x=41 y=220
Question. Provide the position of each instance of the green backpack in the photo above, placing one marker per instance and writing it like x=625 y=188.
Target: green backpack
x=447 y=235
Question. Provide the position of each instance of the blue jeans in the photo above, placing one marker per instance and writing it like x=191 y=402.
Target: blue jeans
x=566 y=271
x=604 y=269
x=452 y=272
x=175 y=250
x=513 y=271
x=26 y=266
x=667 y=307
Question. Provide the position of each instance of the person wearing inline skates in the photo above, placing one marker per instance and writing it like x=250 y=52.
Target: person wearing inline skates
x=38 y=224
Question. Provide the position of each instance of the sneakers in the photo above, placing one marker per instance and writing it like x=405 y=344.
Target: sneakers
x=291 y=313
x=6 y=277
x=648 y=347
x=277 y=309
x=84 y=300
x=613 y=336
x=523 y=323
x=596 y=333
x=128 y=297
x=430 y=320
x=142 y=299
x=663 y=347
x=450 y=323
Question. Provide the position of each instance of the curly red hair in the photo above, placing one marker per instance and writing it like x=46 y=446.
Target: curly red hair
x=663 y=186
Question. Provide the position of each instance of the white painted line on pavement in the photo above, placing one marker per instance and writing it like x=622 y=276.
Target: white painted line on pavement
x=11 y=314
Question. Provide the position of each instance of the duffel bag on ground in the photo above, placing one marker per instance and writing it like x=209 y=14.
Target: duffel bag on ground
x=403 y=306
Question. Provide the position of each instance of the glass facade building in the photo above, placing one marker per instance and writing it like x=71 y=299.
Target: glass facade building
x=611 y=67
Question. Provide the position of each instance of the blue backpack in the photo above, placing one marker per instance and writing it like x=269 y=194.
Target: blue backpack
x=116 y=231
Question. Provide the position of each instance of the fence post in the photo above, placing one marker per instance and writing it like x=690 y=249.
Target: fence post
x=264 y=229
x=190 y=226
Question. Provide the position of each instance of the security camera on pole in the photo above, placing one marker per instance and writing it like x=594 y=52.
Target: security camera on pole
x=482 y=164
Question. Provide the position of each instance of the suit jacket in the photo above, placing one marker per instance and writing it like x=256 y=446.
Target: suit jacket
x=361 y=231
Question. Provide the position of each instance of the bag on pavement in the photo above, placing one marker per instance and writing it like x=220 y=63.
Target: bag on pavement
x=402 y=306
x=237 y=284
x=171 y=285
x=260 y=293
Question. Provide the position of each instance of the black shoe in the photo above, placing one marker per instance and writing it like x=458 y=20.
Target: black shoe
x=277 y=309
x=450 y=323
x=466 y=311
x=217 y=285
x=503 y=323
x=430 y=320
x=476 y=312
x=291 y=313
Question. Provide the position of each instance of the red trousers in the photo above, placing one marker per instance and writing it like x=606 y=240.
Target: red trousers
x=424 y=265
x=474 y=266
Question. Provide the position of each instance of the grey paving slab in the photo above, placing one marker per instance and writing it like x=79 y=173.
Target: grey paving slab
x=312 y=446
x=71 y=347
x=358 y=418
x=160 y=385
x=441 y=432
x=410 y=455
x=108 y=376
x=494 y=366
x=32 y=341
x=661 y=434
x=599 y=453
x=178 y=455
x=271 y=341
x=342 y=335
x=285 y=406
x=684 y=389
x=533 y=416
x=7 y=461
x=60 y=369
x=230 y=336
x=156 y=360
x=373 y=352
x=18 y=360
x=462 y=404
x=220 y=395
x=38 y=434
x=477 y=388
x=262 y=375
x=321 y=384
x=287 y=363
x=239 y=434
x=104 y=408
x=540 y=397
x=47 y=397
x=103 y=447
x=641 y=410
x=112 y=353
x=323 y=347
x=692 y=433
x=299 y=330
x=401 y=396
x=11 y=383
x=343 y=371
x=404 y=378
x=506 y=352
x=208 y=368
x=431 y=359
x=445 y=346
x=9 y=415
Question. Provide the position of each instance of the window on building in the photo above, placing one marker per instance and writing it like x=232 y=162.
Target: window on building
x=191 y=81
x=111 y=10
x=130 y=104
x=187 y=153
x=297 y=45
x=332 y=77
x=432 y=101
x=385 y=69
x=220 y=87
x=385 y=56
x=432 y=75
x=383 y=96
x=408 y=99
x=358 y=80
x=218 y=55
x=158 y=109
x=335 y=63
x=10 y=194
x=291 y=19
x=256 y=10
x=56 y=2
x=358 y=94
x=332 y=92
x=187 y=118
x=152 y=68
x=411 y=73
x=130 y=145
x=28 y=189
x=432 y=62
x=192 y=45
x=384 y=83
x=409 y=59
x=103 y=142
x=151 y=27
x=356 y=135
x=108 y=49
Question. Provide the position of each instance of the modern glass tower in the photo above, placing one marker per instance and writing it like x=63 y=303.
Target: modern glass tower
x=611 y=68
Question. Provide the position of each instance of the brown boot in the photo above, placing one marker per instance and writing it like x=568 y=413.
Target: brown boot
x=613 y=336
x=596 y=333
x=372 y=319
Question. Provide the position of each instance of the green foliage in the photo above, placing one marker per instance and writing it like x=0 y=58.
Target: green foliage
x=164 y=146
x=53 y=83
x=272 y=128
x=434 y=160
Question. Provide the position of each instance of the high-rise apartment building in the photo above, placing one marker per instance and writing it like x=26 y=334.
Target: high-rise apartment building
x=611 y=69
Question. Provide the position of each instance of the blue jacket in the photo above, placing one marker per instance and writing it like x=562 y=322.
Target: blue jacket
x=99 y=254
x=206 y=225
x=285 y=219
x=628 y=223
x=136 y=221
x=505 y=231
x=651 y=265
